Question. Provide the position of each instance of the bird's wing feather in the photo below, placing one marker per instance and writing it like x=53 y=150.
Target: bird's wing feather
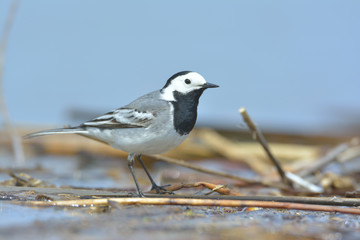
x=122 y=118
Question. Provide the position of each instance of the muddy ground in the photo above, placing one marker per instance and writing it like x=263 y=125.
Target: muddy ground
x=110 y=176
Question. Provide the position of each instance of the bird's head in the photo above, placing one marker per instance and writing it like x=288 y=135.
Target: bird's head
x=184 y=83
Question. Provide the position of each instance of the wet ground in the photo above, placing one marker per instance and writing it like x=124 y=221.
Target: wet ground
x=173 y=222
x=87 y=172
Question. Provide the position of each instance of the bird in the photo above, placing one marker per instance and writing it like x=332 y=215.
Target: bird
x=152 y=124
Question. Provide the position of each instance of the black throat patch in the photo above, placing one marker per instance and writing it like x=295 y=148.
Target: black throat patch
x=185 y=110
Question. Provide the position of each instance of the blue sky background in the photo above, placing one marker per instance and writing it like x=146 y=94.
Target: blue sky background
x=295 y=65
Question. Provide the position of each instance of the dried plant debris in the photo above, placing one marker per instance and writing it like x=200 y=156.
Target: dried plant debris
x=24 y=180
x=237 y=181
x=331 y=181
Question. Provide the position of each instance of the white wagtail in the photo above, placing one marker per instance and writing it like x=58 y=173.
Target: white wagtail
x=152 y=124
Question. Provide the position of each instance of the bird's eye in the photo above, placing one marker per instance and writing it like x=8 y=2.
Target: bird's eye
x=187 y=81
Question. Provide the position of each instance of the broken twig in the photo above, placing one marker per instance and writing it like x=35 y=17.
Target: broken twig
x=260 y=137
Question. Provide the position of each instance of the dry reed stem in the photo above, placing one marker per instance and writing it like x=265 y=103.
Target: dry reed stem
x=11 y=131
x=189 y=202
x=229 y=150
x=242 y=151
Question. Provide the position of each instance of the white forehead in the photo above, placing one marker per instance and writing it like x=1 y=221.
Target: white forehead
x=178 y=84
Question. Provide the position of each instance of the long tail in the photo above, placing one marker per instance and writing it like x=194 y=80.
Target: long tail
x=77 y=130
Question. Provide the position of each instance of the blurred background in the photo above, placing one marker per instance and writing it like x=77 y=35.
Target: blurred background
x=295 y=65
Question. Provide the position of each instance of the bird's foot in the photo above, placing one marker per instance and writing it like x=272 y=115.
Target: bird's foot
x=161 y=189
x=138 y=194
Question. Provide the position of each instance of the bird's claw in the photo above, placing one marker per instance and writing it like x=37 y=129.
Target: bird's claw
x=133 y=194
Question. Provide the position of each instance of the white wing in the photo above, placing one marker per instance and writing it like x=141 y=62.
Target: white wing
x=122 y=118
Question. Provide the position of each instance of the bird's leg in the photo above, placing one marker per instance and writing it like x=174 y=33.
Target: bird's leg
x=130 y=165
x=158 y=189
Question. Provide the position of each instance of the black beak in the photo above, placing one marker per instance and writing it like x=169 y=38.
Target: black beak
x=209 y=85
